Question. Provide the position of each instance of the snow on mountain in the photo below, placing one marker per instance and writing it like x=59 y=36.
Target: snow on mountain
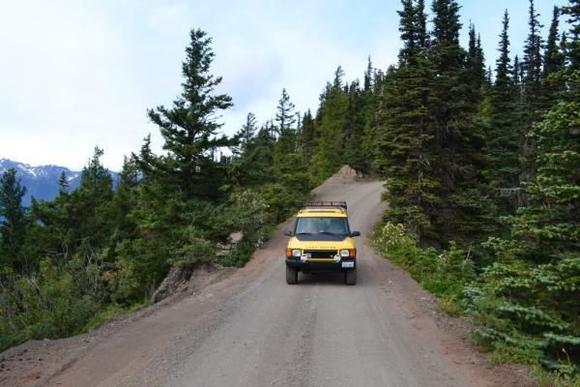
x=41 y=182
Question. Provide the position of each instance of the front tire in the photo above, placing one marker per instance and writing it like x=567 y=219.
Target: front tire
x=291 y=275
x=350 y=277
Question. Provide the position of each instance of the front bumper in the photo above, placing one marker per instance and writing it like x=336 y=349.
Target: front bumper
x=318 y=266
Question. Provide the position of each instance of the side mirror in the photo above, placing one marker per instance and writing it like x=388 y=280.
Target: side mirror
x=288 y=233
x=355 y=234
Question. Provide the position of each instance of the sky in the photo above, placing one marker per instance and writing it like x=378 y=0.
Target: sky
x=75 y=74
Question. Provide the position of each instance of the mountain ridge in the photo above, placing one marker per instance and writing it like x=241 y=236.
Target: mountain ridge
x=41 y=181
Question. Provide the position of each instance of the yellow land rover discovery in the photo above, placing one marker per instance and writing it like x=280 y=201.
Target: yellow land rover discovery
x=321 y=241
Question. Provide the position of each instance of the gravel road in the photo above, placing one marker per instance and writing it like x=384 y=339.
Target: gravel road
x=252 y=329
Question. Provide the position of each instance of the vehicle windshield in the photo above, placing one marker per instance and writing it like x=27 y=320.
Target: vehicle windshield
x=333 y=226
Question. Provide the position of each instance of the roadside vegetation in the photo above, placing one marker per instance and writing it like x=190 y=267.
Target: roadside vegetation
x=481 y=168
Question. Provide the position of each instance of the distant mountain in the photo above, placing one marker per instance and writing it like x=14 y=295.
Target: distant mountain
x=41 y=182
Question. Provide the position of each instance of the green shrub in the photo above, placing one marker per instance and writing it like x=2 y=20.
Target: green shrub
x=49 y=305
x=445 y=274
x=531 y=309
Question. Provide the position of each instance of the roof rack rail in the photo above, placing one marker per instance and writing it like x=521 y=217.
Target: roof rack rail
x=326 y=204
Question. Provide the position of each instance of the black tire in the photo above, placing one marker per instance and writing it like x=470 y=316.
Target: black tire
x=291 y=276
x=350 y=277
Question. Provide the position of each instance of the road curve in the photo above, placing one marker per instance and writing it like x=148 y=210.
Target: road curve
x=252 y=329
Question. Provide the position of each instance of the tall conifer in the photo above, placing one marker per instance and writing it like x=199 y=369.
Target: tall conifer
x=189 y=128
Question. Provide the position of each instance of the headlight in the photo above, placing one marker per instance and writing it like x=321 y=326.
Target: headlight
x=344 y=253
x=296 y=253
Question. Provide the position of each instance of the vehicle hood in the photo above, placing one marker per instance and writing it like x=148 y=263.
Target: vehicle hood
x=346 y=243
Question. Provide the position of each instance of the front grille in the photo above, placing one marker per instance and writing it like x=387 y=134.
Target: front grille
x=320 y=253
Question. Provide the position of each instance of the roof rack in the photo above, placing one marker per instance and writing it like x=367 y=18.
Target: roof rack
x=325 y=204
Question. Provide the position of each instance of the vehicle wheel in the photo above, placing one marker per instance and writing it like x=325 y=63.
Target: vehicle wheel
x=291 y=275
x=350 y=277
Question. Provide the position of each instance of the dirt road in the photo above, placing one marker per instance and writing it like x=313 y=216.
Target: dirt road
x=251 y=329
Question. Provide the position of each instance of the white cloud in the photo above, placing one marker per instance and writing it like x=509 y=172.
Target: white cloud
x=78 y=74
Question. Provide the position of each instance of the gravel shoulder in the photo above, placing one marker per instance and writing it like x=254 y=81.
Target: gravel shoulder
x=246 y=327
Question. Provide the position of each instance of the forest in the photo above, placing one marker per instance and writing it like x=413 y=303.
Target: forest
x=480 y=162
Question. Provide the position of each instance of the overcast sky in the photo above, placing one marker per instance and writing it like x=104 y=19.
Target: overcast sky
x=80 y=73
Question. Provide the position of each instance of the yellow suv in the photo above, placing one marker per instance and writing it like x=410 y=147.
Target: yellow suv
x=321 y=241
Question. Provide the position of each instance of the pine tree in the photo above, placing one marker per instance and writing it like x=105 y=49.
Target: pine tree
x=307 y=136
x=286 y=158
x=503 y=138
x=354 y=128
x=332 y=119
x=532 y=65
x=476 y=64
x=421 y=23
x=95 y=178
x=12 y=221
x=368 y=77
x=458 y=136
x=553 y=60
x=572 y=10
x=247 y=131
x=285 y=116
x=516 y=75
x=63 y=184
x=189 y=128
x=409 y=30
x=532 y=90
x=406 y=150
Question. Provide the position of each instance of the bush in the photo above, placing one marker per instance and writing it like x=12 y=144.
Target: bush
x=524 y=308
x=444 y=274
x=50 y=305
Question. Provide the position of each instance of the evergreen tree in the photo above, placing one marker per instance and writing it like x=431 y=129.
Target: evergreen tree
x=353 y=132
x=409 y=30
x=63 y=185
x=553 y=63
x=368 y=77
x=573 y=46
x=307 y=136
x=333 y=114
x=247 y=131
x=458 y=136
x=189 y=128
x=405 y=138
x=476 y=64
x=532 y=64
x=503 y=138
x=95 y=178
x=532 y=89
x=285 y=116
x=553 y=60
x=286 y=157
x=421 y=23
x=12 y=221
x=516 y=75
